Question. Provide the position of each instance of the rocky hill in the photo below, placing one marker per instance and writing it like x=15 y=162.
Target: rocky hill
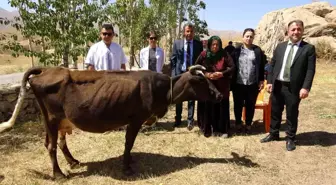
x=4 y=14
x=320 y=26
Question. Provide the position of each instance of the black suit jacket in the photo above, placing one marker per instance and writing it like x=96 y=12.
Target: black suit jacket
x=177 y=58
x=260 y=63
x=302 y=69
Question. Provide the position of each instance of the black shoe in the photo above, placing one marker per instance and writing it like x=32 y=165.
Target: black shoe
x=239 y=128
x=190 y=125
x=177 y=123
x=248 y=129
x=290 y=145
x=269 y=138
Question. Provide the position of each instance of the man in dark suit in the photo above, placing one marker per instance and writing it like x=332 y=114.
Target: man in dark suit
x=230 y=48
x=185 y=53
x=290 y=80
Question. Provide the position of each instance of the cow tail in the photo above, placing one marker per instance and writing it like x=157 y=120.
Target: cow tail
x=23 y=90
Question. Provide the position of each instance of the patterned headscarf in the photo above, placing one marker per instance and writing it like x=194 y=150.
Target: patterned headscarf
x=214 y=57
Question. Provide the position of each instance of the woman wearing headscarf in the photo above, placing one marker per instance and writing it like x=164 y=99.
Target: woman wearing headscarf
x=213 y=117
x=248 y=79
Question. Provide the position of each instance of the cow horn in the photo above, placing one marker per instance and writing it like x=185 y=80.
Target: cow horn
x=196 y=67
x=199 y=72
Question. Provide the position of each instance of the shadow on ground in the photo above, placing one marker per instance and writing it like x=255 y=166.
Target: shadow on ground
x=321 y=138
x=258 y=127
x=159 y=126
x=149 y=165
x=2 y=178
x=17 y=138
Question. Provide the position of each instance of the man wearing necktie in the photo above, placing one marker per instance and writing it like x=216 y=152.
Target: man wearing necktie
x=289 y=81
x=185 y=53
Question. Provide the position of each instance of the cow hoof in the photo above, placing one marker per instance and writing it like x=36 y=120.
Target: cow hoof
x=128 y=171
x=59 y=176
x=74 y=164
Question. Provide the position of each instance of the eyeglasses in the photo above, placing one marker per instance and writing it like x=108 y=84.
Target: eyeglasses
x=107 y=34
x=152 y=38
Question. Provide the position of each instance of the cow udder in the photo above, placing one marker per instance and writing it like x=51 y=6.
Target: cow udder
x=66 y=127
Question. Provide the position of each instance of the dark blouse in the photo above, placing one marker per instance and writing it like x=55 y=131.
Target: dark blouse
x=224 y=65
x=152 y=59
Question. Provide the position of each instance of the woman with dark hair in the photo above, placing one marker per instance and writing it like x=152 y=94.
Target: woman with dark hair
x=248 y=79
x=213 y=118
x=152 y=56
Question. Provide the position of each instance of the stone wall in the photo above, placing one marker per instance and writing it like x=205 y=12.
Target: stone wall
x=8 y=98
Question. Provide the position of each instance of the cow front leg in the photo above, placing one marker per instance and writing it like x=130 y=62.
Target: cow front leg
x=52 y=134
x=64 y=147
x=131 y=133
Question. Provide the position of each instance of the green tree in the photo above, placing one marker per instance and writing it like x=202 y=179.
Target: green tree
x=63 y=25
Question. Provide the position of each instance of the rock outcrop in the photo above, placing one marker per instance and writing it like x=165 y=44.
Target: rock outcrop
x=319 y=20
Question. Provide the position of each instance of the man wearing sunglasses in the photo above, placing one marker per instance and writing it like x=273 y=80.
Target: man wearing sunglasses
x=106 y=55
x=152 y=57
x=185 y=53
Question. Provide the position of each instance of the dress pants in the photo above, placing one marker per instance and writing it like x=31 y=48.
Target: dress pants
x=244 y=95
x=282 y=95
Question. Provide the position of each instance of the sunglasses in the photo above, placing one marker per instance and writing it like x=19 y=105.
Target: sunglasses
x=152 y=38
x=107 y=34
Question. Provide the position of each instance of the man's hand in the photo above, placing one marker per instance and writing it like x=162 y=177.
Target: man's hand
x=269 y=88
x=304 y=93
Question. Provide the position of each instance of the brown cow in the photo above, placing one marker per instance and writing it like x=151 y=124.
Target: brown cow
x=100 y=101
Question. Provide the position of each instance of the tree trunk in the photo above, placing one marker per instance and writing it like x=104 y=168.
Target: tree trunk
x=131 y=53
x=65 y=57
x=43 y=45
x=31 y=50
x=180 y=18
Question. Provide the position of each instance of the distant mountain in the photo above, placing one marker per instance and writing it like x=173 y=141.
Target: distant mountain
x=8 y=14
x=225 y=34
x=5 y=14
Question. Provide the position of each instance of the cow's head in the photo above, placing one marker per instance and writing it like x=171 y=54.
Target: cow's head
x=193 y=85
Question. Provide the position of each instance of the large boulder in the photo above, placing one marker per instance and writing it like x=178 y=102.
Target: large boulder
x=318 y=20
x=331 y=17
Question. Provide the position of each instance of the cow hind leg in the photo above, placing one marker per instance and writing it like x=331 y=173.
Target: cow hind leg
x=52 y=134
x=131 y=133
x=64 y=148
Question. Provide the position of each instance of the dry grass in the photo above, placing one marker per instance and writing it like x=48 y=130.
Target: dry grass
x=9 y=64
x=325 y=50
x=166 y=156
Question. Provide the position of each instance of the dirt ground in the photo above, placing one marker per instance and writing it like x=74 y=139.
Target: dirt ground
x=165 y=155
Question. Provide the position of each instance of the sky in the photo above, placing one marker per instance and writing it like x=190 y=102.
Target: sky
x=234 y=14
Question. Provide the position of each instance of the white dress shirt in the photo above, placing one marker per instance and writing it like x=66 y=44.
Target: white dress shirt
x=144 y=56
x=289 y=45
x=106 y=58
